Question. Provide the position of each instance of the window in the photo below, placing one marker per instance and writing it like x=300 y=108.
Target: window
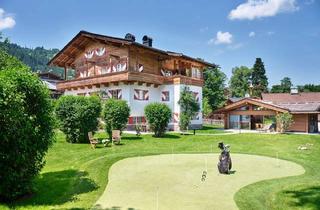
x=196 y=96
x=142 y=95
x=137 y=120
x=196 y=72
x=119 y=67
x=243 y=108
x=165 y=96
x=115 y=94
x=196 y=116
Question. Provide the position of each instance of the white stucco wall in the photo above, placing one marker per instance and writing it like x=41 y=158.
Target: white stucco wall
x=137 y=106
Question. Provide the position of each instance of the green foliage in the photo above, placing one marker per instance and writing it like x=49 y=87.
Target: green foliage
x=206 y=107
x=309 y=88
x=10 y=62
x=240 y=81
x=36 y=58
x=26 y=127
x=116 y=114
x=188 y=108
x=284 y=121
x=158 y=116
x=259 y=79
x=214 y=85
x=78 y=115
x=284 y=87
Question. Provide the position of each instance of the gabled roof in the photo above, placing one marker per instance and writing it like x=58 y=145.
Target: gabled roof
x=296 y=103
x=252 y=101
x=302 y=108
x=83 y=38
x=286 y=98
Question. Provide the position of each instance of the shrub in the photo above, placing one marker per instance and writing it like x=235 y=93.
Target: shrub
x=77 y=116
x=188 y=108
x=26 y=127
x=116 y=114
x=284 y=121
x=158 y=116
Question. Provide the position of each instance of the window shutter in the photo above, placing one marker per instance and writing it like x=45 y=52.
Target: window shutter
x=136 y=94
x=110 y=94
x=146 y=95
x=119 y=94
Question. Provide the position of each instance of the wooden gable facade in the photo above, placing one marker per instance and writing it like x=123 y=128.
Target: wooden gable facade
x=253 y=111
x=101 y=60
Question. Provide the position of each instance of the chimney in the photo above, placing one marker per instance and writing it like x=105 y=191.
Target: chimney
x=130 y=37
x=147 y=41
x=294 y=91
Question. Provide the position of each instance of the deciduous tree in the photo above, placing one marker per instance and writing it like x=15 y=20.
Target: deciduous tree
x=188 y=108
x=240 y=81
x=284 y=87
x=214 y=85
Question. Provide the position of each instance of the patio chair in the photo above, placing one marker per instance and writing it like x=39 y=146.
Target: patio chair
x=116 y=137
x=265 y=128
x=93 y=141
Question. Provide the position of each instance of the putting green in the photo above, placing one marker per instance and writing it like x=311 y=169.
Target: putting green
x=164 y=182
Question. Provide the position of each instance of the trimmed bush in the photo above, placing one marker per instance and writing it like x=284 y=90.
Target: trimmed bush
x=77 y=116
x=158 y=116
x=284 y=121
x=116 y=114
x=26 y=127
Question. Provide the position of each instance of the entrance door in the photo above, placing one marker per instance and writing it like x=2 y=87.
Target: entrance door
x=234 y=121
x=313 y=123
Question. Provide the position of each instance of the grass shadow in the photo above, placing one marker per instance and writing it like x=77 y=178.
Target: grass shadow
x=131 y=138
x=232 y=172
x=171 y=136
x=56 y=188
x=306 y=197
x=98 y=207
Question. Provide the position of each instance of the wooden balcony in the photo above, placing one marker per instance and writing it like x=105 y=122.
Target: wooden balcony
x=127 y=77
x=111 y=78
x=180 y=79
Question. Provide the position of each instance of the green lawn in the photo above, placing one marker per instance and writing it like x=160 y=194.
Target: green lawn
x=75 y=176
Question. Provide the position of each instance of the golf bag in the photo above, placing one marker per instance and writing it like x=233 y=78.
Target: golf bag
x=225 y=163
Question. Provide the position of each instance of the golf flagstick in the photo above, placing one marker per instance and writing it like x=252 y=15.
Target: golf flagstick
x=157 y=198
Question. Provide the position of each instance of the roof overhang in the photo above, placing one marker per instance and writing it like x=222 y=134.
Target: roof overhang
x=66 y=56
x=246 y=101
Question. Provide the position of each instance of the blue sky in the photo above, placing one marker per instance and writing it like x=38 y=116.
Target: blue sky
x=284 y=33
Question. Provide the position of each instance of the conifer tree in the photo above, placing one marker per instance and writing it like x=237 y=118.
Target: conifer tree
x=259 y=79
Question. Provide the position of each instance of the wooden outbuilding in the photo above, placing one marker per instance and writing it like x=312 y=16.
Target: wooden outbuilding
x=251 y=113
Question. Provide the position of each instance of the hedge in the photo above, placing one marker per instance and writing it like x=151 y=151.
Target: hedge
x=158 y=116
x=77 y=116
x=26 y=127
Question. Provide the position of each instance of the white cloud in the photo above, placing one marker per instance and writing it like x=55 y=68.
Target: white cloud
x=253 y=9
x=252 y=34
x=221 y=38
x=6 y=20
